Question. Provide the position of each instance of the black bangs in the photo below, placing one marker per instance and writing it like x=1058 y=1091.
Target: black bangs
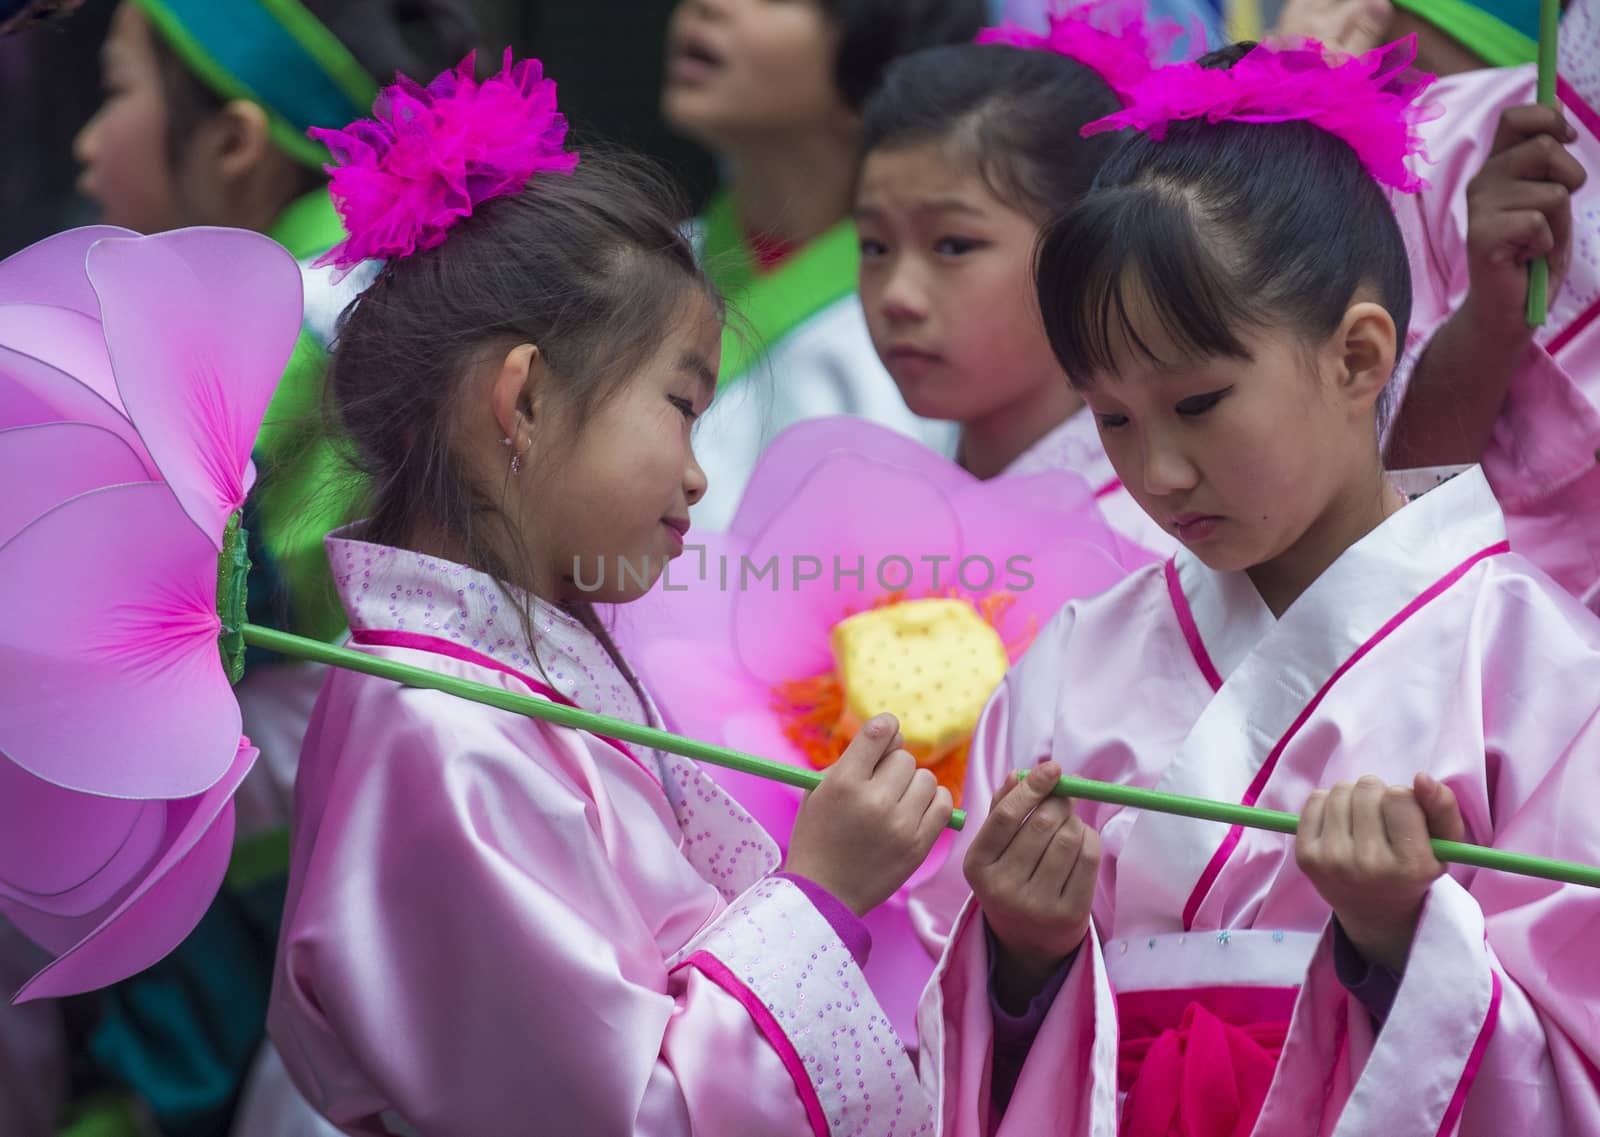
x=1135 y=248
x=1215 y=231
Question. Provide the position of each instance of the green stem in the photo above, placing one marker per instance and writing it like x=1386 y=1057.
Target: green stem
x=298 y=647
x=1253 y=817
x=1549 y=30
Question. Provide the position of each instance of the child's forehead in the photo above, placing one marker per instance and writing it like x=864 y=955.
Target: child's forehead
x=927 y=176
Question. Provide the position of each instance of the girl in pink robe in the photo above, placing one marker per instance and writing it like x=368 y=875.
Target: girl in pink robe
x=1114 y=971
x=968 y=149
x=496 y=926
x=1480 y=385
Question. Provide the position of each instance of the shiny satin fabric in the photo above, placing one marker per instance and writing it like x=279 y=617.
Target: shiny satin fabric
x=1426 y=646
x=498 y=927
x=1543 y=458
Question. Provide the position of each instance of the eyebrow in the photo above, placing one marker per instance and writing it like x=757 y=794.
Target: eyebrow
x=932 y=205
x=696 y=365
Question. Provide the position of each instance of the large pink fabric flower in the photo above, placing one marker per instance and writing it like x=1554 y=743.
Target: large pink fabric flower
x=718 y=645
x=434 y=154
x=134 y=374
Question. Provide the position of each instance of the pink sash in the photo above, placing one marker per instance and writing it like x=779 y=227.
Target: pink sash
x=1197 y=1062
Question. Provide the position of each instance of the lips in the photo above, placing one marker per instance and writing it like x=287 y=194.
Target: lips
x=1194 y=526
x=679 y=527
x=694 y=58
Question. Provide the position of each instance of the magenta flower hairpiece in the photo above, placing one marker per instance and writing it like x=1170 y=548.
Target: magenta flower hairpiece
x=1371 y=101
x=431 y=155
x=1110 y=37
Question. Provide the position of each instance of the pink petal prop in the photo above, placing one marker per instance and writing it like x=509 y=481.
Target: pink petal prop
x=111 y=680
x=802 y=447
x=69 y=341
x=66 y=853
x=51 y=271
x=159 y=911
x=868 y=515
x=757 y=731
x=33 y=392
x=200 y=324
x=43 y=466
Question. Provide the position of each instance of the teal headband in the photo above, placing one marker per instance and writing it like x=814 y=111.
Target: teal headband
x=273 y=53
x=1503 y=33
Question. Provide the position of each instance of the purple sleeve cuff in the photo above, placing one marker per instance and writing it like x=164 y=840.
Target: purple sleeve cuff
x=1373 y=985
x=846 y=924
x=1014 y=1034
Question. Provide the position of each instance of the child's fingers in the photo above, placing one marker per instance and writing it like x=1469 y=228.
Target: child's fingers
x=1308 y=834
x=1059 y=855
x=935 y=817
x=1516 y=238
x=919 y=794
x=1539 y=159
x=1078 y=894
x=1337 y=840
x=895 y=773
x=867 y=748
x=1520 y=123
x=1368 y=835
x=1407 y=828
x=1439 y=806
x=1011 y=810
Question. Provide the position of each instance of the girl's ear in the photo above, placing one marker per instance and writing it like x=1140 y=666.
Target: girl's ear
x=1365 y=345
x=514 y=393
x=237 y=140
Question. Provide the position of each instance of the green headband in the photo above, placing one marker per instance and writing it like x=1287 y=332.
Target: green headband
x=1503 y=33
x=273 y=53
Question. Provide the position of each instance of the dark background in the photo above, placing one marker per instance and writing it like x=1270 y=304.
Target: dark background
x=606 y=56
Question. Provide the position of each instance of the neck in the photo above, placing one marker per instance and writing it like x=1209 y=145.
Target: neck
x=1350 y=517
x=990 y=444
x=795 y=187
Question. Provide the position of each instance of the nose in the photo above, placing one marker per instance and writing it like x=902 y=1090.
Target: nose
x=83 y=142
x=694 y=480
x=1166 y=468
x=904 y=300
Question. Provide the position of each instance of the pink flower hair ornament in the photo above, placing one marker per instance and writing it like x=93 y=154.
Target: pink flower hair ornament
x=432 y=155
x=1110 y=37
x=1371 y=101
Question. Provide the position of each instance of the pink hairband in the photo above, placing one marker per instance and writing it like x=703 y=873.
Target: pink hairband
x=431 y=155
x=1110 y=37
x=1371 y=101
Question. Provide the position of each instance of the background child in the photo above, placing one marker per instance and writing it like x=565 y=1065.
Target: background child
x=203 y=123
x=1230 y=298
x=776 y=91
x=491 y=919
x=967 y=149
x=1511 y=181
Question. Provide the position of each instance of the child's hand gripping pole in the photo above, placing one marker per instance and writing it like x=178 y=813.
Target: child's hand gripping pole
x=1549 y=30
x=1253 y=817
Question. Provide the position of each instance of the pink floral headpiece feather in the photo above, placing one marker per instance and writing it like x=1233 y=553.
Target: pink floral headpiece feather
x=1370 y=101
x=431 y=155
x=1110 y=37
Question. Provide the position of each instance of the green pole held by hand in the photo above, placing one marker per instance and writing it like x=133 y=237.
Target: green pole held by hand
x=1549 y=31
x=1253 y=817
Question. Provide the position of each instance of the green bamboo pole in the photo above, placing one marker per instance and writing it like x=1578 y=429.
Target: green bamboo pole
x=1253 y=817
x=298 y=647
x=1549 y=30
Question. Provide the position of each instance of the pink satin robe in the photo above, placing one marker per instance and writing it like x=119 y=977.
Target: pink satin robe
x=497 y=927
x=1425 y=646
x=1075 y=446
x=1543 y=458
